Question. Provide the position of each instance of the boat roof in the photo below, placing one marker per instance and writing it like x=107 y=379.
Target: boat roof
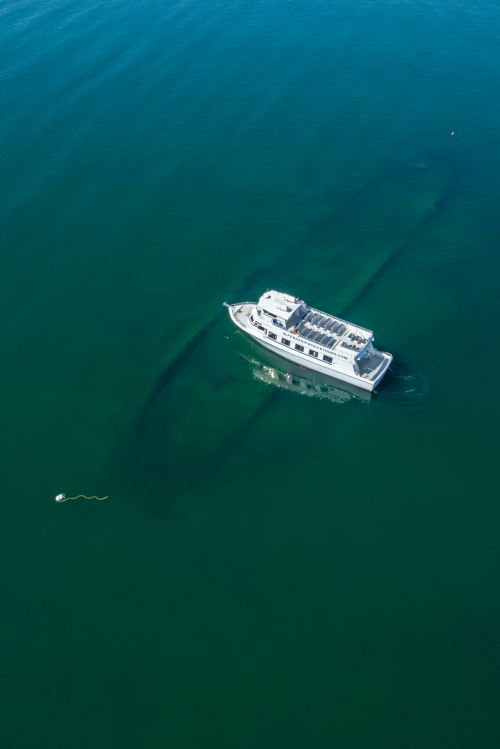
x=319 y=329
x=279 y=304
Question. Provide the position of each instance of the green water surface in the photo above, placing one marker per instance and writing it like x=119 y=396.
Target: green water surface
x=270 y=569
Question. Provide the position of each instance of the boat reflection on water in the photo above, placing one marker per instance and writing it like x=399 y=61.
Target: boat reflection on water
x=284 y=375
x=404 y=384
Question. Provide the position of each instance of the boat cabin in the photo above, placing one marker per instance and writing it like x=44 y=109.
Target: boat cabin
x=281 y=309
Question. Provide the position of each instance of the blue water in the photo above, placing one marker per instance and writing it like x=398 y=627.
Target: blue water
x=277 y=565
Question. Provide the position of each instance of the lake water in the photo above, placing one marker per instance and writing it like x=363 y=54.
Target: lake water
x=280 y=562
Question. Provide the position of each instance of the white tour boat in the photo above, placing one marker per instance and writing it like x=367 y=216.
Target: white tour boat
x=316 y=340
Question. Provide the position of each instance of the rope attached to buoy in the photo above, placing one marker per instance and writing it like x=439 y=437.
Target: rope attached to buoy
x=63 y=498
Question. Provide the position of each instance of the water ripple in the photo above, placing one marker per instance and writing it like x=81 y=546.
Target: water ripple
x=408 y=384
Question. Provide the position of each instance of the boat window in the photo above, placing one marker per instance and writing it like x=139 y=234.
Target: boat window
x=328 y=359
x=299 y=347
x=251 y=318
x=272 y=335
x=313 y=353
x=285 y=341
x=260 y=327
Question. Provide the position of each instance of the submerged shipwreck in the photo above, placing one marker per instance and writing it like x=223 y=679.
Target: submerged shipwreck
x=204 y=382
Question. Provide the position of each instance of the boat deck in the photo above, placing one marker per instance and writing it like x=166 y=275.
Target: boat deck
x=329 y=331
x=370 y=367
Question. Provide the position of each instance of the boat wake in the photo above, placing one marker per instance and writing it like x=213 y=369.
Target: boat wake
x=407 y=385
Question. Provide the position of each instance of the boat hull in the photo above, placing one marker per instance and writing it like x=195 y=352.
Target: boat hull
x=240 y=313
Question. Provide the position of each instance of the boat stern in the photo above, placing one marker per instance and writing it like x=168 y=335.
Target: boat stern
x=382 y=371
